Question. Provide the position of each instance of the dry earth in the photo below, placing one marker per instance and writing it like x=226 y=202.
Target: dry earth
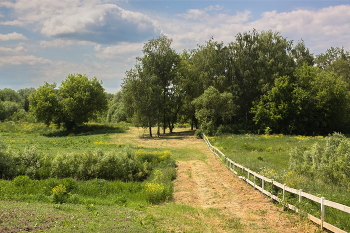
x=207 y=183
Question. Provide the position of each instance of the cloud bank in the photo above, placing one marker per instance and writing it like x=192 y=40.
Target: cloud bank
x=105 y=38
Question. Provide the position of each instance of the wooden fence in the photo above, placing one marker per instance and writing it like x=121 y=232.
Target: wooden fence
x=251 y=178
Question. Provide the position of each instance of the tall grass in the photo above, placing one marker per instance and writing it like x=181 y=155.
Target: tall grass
x=270 y=155
x=94 y=169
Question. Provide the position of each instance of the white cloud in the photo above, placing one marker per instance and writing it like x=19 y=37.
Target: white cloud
x=320 y=29
x=214 y=8
x=215 y=19
x=22 y=60
x=12 y=23
x=123 y=51
x=4 y=51
x=93 y=21
x=12 y=36
x=61 y=43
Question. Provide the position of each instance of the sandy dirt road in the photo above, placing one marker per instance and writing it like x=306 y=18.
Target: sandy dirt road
x=205 y=182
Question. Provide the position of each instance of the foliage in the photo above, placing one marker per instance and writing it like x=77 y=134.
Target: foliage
x=126 y=166
x=213 y=108
x=305 y=103
x=258 y=58
x=59 y=194
x=141 y=98
x=75 y=102
x=117 y=112
x=8 y=109
x=159 y=189
x=8 y=94
x=148 y=89
x=328 y=164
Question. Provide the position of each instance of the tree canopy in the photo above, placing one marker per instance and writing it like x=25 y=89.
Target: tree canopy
x=75 y=102
x=259 y=80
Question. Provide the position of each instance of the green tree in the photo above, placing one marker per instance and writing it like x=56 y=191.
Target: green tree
x=44 y=104
x=141 y=97
x=199 y=69
x=75 y=102
x=25 y=93
x=116 y=111
x=213 y=109
x=336 y=60
x=7 y=109
x=275 y=109
x=302 y=55
x=257 y=59
x=313 y=101
x=160 y=61
x=7 y=94
x=325 y=60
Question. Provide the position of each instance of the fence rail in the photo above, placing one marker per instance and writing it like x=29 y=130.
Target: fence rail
x=234 y=167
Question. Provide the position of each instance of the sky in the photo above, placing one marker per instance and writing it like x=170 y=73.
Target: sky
x=46 y=40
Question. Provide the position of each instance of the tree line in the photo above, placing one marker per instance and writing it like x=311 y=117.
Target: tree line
x=261 y=82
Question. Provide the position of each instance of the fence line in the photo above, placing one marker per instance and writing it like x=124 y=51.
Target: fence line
x=321 y=200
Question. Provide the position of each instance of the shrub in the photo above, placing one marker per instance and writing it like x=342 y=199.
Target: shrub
x=198 y=133
x=22 y=181
x=59 y=194
x=159 y=189
x=155 y=192
x=328 y=164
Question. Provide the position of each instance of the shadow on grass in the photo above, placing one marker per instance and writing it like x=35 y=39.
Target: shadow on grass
x=174 y=135
x=89 y=129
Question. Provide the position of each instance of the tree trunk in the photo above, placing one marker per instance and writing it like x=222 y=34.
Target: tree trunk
x=150 y=131
x=164 y=112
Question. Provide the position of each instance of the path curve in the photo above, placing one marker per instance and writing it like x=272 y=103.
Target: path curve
x=209 y=184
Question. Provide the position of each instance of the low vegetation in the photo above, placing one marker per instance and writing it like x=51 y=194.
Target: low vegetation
x=317 y=165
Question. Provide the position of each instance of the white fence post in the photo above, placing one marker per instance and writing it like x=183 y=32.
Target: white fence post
x=254 y=181
x=263 y=183
x=271 y=192
x=284 y=191
x=322 y=211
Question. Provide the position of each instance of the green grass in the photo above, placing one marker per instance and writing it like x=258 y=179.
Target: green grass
x=25 y=217
x=17 y=136
x=269 y=155
x=260 y=151
x=98 y=205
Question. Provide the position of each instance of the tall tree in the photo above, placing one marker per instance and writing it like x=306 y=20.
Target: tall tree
x=161 y=61
x=141 y=98
x=257 y=60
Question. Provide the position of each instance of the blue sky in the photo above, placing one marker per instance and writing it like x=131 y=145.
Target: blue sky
x=45 y=40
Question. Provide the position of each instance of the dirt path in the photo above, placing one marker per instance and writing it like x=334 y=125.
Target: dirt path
x=209 y=184
x=204 y=182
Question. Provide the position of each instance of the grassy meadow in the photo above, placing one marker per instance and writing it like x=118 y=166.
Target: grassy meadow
x=269 y=155
x=66 y=204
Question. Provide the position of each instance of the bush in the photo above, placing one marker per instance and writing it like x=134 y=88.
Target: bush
x=328 y=164
x=59 y=194
x=159 y=189
x=198 y=133
x=127 y=165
